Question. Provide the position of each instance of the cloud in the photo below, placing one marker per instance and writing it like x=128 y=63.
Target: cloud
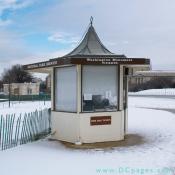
x=14 y=4
x=5 y=22
x=125 y=42
x=63 y=38
x=13 y=50
x=33 y=58
x=11 y=5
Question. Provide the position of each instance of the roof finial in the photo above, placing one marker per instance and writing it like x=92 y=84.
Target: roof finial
x=91 y=20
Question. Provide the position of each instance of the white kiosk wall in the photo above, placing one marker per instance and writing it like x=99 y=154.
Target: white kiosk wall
x=98 y=97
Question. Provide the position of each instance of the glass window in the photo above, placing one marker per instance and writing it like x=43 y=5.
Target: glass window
x=66 y=89
x=99 y=88
x=29 y=91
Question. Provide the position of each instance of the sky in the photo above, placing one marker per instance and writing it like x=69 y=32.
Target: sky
x=37 y=30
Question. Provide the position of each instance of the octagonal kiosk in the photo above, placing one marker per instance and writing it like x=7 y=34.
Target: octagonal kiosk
x=89 y=92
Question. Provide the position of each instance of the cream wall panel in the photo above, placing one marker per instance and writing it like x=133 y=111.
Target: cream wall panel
x=101 y=133
x=65 y=126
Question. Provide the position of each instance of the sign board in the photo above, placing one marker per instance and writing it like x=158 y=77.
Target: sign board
x=109 y=61
x=86 y=61
x=100 y=120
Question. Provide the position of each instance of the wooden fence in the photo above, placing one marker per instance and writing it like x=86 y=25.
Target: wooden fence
x=17 y=130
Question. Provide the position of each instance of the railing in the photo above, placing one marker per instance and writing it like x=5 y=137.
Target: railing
x=41 y=97
x=17 y=130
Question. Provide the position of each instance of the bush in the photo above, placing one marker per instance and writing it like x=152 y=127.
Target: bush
x=154 y=83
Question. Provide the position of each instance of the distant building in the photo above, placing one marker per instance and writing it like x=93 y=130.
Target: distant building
x=134 y=81
x=48 y=83
x=22 y=88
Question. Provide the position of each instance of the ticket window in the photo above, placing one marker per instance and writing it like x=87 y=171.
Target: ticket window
x=99 y=88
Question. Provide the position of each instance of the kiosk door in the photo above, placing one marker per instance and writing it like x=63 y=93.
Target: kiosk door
x=125 y=97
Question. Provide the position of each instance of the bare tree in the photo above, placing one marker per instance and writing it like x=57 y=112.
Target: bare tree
x=16 y=74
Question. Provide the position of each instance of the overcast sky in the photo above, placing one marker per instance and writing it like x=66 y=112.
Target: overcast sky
x=36 y=30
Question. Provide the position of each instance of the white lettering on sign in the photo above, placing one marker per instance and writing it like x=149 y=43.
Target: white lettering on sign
x=44 y=64
x=109 y=60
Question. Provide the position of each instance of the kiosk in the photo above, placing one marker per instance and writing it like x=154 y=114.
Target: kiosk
x=89 y=91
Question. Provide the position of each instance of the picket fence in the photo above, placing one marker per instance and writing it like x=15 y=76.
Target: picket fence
x=18 y=130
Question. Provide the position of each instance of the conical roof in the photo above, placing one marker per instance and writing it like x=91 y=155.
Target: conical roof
x=90 y=45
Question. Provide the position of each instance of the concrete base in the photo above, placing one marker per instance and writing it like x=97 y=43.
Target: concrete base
x=129 y=140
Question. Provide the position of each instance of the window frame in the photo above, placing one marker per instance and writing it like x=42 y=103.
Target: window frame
x=54 y=89
x=117 y=85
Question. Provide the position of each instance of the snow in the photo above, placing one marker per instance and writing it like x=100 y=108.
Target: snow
x=145 y=102
x=3 y=99
x=166 y=91
x=23 y=107
x=154 y=149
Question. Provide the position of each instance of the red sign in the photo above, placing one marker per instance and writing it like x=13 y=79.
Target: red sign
x=101 y=120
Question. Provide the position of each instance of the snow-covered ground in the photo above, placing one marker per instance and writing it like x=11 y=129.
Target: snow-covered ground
x=152 y=150
x=168 y=91
x=22 y=107
x=145 y=102
x=3 y=99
